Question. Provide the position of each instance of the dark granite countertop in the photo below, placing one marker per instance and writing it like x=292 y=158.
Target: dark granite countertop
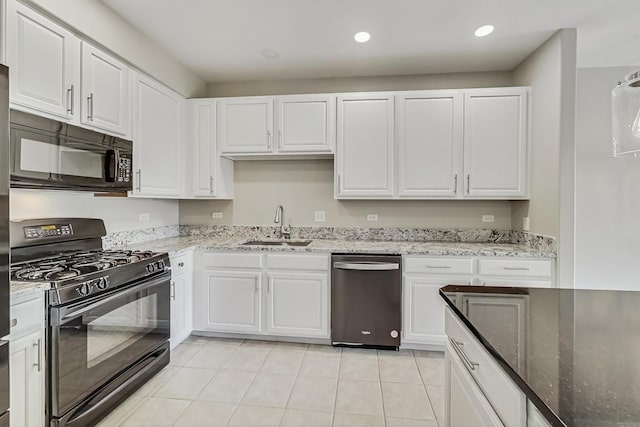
x=574 y=353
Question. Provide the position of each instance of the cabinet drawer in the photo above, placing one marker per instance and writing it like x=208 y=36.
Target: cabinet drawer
x=505 y=397
x=436 y=265
x=515 y=267
x=231 y=260
x=298 y=262
x=26 y=316
x=181 y=264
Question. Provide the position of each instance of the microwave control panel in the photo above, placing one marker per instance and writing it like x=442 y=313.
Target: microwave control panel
x=51 y=230
x=124 y=170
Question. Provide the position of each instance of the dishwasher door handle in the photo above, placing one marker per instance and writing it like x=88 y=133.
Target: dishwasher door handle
x=366 y=266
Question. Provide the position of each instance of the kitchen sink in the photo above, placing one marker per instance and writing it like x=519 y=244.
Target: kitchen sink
x=276 y=243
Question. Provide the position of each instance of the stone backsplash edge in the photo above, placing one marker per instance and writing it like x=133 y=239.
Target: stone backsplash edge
x=461 y=235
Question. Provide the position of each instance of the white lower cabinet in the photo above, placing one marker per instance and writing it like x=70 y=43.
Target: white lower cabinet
x=26 y=360
x=181 y=297
x=465 y=405
x=297 y=304
x=263 y=294
x=232 y=300
x=27 y=380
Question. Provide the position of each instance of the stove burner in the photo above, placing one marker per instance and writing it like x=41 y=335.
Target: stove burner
x=67 y=266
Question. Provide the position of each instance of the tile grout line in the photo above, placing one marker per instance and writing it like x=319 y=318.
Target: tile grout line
x=384 y=418
x=433 y=409
x=335 y=399
x=295 y=380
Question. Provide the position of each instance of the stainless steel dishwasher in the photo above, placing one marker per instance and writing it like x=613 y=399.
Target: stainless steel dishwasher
x=366 y=300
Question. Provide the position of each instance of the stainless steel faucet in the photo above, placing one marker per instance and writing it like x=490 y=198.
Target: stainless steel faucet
x=285 y=233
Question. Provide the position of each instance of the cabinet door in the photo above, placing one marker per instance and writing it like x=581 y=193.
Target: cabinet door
x=203 y=135
x=181 y=308
x=245 y=125
x=486 y=311
x=364 y=155
x=429 y=143
x=44 y=61
x=306 y=124
x=297 y=304
x=27 y=380
x=423 y=309
x=232 y=301
x=495 y=143
x=157 y=138
x=105 y=92
x=465 y=404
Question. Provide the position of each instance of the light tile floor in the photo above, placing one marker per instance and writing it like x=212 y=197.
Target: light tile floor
x=226 y=382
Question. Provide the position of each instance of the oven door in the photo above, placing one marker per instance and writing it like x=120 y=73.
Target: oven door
x=49 y=160
x=93 y=342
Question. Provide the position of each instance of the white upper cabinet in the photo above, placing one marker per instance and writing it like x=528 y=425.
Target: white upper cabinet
x=299 y=125
x=203 y=136
x=212 y=174
x=495 y=143
x=245 y=125
x=305 y=123
x=157 y=138
x=44 y=61
x=365 y=146
x=105 y=91
x=429 y=143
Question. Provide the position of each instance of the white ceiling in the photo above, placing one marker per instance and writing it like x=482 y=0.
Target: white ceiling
x=223 y=40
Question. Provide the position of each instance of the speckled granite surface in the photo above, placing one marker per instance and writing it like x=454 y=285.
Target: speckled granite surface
x=123 y=238
x=174 y=244
x=20 y=289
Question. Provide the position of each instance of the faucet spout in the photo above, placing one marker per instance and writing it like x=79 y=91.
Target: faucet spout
x=279 y=219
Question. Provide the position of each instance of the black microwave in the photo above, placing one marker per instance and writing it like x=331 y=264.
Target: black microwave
x=48 y=154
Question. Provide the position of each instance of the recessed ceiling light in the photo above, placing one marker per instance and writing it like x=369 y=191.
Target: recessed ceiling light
x=270 y=54
x=362 y=37
x=485 y=30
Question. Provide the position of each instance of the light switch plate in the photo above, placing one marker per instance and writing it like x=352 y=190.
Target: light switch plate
x=372 y=217
x=144 y=217
x=488 y=218
x=216 y=215
x=319 y=216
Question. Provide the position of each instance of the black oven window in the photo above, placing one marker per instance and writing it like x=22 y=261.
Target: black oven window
x=119 y=329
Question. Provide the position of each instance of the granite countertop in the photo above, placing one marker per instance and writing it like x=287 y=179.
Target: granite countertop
x=174 y=244
x=579 y=359
x=20 y=289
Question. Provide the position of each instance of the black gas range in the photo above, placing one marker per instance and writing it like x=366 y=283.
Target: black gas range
x=108 y=314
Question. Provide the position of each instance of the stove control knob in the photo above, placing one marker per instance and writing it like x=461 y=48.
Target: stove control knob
x=84 y=289
x=102 y=283
x=151 y=268
x=160 y=265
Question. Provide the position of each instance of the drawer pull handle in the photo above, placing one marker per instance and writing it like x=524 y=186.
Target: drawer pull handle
x=457 y=346
x=438 y=266
x=173 y=291
x=517 y=268
x=38 y=364
x=14 y=323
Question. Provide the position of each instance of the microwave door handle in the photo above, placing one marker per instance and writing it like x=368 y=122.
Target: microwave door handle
x=66 y=314
x=110 y=160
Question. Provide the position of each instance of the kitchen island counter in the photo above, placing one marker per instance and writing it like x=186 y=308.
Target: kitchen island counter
x=574 y=353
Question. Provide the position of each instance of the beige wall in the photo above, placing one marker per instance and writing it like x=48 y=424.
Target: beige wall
x=551 y=73
x=305 y=186
x=98 y=22
x=362 y=84
x=119 y=214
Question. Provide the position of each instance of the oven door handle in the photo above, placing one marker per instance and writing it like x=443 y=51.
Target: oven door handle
x=65 y=314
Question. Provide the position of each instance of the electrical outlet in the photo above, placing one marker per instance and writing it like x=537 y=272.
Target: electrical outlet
x=372 y=217
x=488 y=218
x=319 y=216
x=525 y=223
x=144 y=217
x=216 y=215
